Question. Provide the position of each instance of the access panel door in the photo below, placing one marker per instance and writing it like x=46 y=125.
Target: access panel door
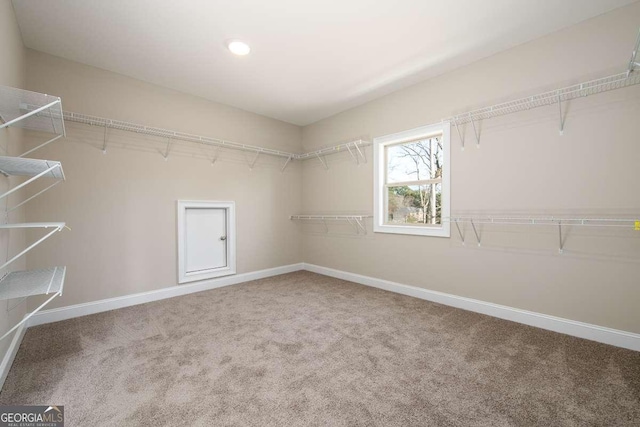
x=206 y=240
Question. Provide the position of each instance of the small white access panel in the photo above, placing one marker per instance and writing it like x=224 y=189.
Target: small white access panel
x=206 y=240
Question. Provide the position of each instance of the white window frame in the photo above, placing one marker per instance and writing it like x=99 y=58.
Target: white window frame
x=230 y=268
x=379 y=181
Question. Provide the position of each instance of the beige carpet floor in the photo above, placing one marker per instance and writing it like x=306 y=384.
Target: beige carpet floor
x=304 y=349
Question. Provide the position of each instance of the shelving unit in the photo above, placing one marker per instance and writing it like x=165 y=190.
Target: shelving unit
x=628 y=223
x=43 y=113
x=356 y=220
x=33 y=111
x=354 y=148
x=23 y=284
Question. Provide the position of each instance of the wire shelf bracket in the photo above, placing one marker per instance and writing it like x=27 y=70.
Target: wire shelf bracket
x=34 y=168
x=286 y=163
x=358 y=221
x=104 y=141
x=323 y=161
x=253 y=162
x=634 y=63
x=57 y=226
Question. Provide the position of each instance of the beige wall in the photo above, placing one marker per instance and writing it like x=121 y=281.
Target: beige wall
x=523 y=167
x=121 y=206
x=12 y=73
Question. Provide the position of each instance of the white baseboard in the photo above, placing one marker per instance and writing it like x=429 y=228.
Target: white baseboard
x=77 y=310
x=600 y=334
x=10 y=355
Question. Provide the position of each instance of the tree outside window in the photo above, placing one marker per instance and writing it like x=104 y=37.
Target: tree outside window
x=414 y=182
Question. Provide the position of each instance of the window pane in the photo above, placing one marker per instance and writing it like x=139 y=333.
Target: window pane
x=415 y=161
x=415 y=204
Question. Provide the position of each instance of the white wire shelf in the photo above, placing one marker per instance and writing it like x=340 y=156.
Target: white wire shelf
x=57 y=226
x=170 y=134
x=560 y=222
x=23 y=284
x=587 y=222
x=330 y=217
x=358 y=221
x=353 y=147
x=31 y=110
x=19 y=166
x=556 y=96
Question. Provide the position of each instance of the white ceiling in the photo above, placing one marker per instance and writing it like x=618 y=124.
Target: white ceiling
x=310 y=59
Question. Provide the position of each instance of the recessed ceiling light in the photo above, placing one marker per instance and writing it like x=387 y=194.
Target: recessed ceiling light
x=238 y=47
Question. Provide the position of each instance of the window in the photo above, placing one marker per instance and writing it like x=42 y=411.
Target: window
x=412 y=176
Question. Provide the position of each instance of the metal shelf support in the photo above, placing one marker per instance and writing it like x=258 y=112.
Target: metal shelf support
x=28 y=285
x=475 y=133
x=253 y=162
x=104 y=142
x=166 y=151
x=455 y=123
x=634 y=63
x=323 y=161
x=16 y=188
x=286 y=163
x=55 y=138
x=561 y=116
x=31 y=198
x=560 y=241
x=57 y=227
x=358 y=221
x=475 y=231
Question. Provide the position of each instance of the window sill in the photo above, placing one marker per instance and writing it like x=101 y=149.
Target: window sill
x=443 y=231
